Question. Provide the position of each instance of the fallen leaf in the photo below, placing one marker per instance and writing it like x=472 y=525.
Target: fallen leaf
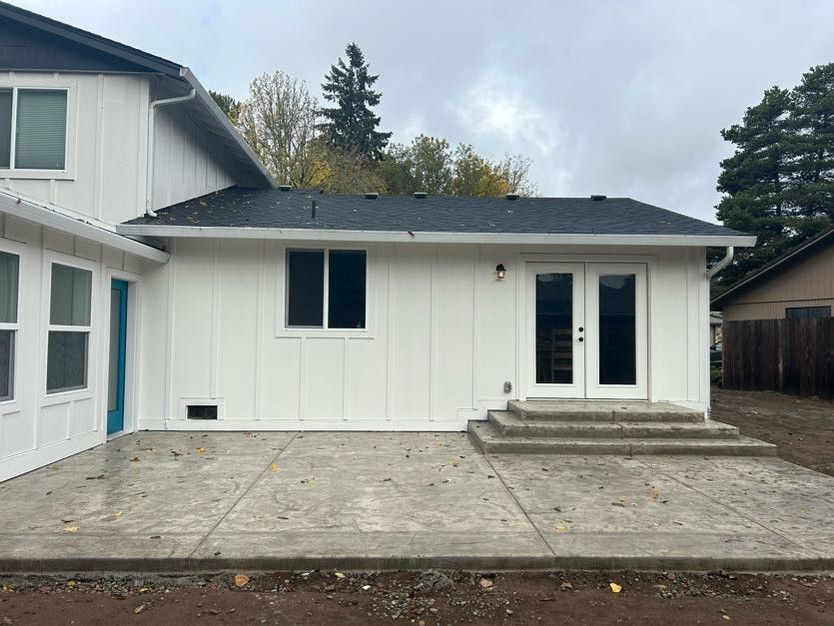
x=275 y=466
x=139 y=608
x=726 y=617
x=99 y=477
x=241 y=580
x=339 y=575
x=655 y=493
x=201 y=450
x=561 y=529
x=486 y=583
x=71 y=529
x=615 y=587
x=134 y=459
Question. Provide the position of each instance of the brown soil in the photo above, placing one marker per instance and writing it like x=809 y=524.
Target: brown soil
x=422 y=598
x=803 y=428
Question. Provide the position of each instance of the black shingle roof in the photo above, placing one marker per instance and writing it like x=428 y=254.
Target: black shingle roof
x=273 y=208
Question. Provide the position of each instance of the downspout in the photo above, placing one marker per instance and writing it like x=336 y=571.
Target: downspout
x=728 y=258
x=151 y=128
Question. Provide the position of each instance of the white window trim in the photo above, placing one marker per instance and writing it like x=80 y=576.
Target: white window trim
x=69 y=140
x=284 y=330
x=12 y=248
x=49 y=260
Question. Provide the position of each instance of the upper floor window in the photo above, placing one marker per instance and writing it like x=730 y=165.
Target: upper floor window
x=33 y=129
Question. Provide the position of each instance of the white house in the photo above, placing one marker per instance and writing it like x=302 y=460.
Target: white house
x=152 y=276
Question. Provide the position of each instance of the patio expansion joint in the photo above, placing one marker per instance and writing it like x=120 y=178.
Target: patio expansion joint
x=244 y=493
x=734 y=510
x=519 y=505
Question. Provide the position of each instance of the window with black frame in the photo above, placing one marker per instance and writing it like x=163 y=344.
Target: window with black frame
x=326 y=289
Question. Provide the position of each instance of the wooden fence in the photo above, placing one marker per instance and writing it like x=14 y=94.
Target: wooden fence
x=789 y=355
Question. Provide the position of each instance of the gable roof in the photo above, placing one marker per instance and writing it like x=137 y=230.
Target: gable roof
x=78 y=50
x=273 y=213
x=792 y=257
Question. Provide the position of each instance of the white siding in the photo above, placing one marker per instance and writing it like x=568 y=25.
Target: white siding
x=107 y=141
x=442 y=337
x=36 y=428
x=186 y=163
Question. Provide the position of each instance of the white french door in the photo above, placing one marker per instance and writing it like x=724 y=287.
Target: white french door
x=587 y=330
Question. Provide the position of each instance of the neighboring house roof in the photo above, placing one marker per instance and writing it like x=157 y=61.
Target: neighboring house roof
x=65 y=220
x=780 y=264
x=274 y=213
x=87 y=51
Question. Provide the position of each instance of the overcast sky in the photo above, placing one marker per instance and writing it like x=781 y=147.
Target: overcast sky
x=618 y=97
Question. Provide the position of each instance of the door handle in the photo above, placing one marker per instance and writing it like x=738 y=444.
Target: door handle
x=581 y=339
x=581 y=329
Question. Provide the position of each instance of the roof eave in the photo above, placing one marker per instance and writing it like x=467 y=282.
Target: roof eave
x=52 y=216
x=312 y=234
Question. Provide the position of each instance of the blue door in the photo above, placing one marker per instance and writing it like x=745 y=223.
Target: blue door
x=118 y=344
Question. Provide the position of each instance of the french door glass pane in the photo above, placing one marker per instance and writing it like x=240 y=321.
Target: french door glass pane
x=9 y=264
x=617 y=330
x=71 y=293
x=113 y=369
x=346 y=297
x=6 y=364
x=305 y=289
x=554 y=328
x=66 y=363
x=41 y=134
x=5 y=127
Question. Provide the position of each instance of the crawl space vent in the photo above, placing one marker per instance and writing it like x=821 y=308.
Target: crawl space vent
x=201 y=411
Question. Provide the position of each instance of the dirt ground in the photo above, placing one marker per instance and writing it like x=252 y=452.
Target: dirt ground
x=803 y=428
x=425 y=598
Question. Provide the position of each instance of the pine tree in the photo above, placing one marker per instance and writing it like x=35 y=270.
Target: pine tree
x=351 y=125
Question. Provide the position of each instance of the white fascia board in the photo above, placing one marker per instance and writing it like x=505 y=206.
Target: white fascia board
x=67 y=221
x=309 y=234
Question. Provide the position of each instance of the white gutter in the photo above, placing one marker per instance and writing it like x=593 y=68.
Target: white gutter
x=311 y=234
x=62 y=219
x=728 y=258
x=151 y=134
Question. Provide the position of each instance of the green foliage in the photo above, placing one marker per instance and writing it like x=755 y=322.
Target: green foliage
x=351 y=125
x=227 y=104
x=428 y=164
x=779 y=183
x=715 y=376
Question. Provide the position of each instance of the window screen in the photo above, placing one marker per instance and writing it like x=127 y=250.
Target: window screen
x=346 y=289
x=305 y=288
x=41 y=130
x=806 y=312
x=5 y=127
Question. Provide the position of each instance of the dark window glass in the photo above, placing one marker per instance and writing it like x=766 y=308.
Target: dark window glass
x=5 y=127
x=9 y=269
x=66 y=364
x=7 y=364
x=305 y=288
x=617 y=330
x=554 y=328
x=71 y=296
x=807 y=312
x=346 y=289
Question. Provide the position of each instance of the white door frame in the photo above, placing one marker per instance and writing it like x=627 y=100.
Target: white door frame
x=585 y=353
x=575 y=389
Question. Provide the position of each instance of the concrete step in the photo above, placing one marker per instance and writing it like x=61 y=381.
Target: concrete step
x=611 y=411
x=489 y=440
x=510 y=425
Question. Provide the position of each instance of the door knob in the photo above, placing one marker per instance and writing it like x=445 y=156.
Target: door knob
x=581 y=329
x=581 y=339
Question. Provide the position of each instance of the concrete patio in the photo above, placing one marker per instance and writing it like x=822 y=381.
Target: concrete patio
x=178 y=501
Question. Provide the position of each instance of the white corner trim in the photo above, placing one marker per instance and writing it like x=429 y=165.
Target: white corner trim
x=63 y=219
x=310 y=234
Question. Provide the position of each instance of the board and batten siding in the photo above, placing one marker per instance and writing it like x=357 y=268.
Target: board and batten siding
x=37 y=428
x=442 y=337
x=805 y=284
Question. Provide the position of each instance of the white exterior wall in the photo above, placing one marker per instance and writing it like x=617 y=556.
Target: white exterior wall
x=36 y=428
x=186 y=163
x=106 y=145
x=442 y=336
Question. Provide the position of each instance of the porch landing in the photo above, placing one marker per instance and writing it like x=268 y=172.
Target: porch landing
x=621 y=427
x=177 y=501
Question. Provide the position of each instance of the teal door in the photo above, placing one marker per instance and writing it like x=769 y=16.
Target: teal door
x=118 y=345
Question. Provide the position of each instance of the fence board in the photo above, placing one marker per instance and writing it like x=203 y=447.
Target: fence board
x=789 y=355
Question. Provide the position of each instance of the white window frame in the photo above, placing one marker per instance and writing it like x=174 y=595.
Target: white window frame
x=14 y=327
x=324 y=329
x=69 y=137
x=76 y=263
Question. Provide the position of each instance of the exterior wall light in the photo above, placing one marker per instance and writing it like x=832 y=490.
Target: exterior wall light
x=500 y=272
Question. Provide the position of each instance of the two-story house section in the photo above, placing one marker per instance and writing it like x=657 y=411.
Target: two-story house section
x=92 y=133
